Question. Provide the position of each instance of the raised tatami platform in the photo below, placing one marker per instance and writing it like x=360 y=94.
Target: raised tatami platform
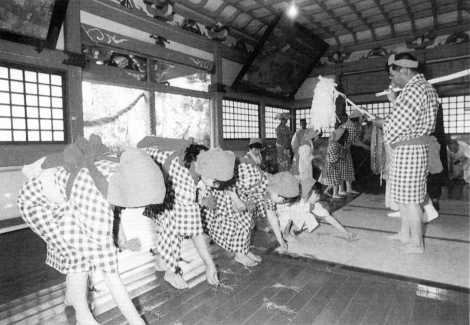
x=445 y=261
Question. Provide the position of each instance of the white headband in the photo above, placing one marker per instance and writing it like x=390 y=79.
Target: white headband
x=404 y=63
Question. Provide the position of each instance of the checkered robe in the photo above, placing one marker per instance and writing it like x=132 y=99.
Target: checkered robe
x=332 y=172
x=251 y=184
x=228 y=228
x=413 y=115
x=181 y=216
x=78 y=232
x=354 y=135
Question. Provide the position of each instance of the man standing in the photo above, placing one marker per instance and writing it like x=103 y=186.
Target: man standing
x=407 y=129
x=299 y=135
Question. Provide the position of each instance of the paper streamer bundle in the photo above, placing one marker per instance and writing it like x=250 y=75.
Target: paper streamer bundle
x=323 y=110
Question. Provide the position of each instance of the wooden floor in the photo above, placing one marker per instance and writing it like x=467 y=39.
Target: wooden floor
x=281 y=290
x=285 y=290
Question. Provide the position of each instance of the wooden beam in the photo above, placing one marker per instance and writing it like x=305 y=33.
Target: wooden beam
x=443 y=29
x=332 y=15
x=435 y=22
x=459 y=11
x=139 y=20
x=361 y=18
x=386 y=16
x=411 y=16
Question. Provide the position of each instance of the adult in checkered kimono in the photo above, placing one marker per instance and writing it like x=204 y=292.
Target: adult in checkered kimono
x=228 y=222
x=181 y=216
x=66 y=201
x=353 y=125
x=407 y=129
x=332 y=175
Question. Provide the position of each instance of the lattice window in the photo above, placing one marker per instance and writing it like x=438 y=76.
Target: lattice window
x=31 y=105
x=240 y=120
x=270 y=120
x=456 y=112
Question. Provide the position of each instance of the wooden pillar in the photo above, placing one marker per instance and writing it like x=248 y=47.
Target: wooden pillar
x=262 y=120
x=217 y=92
x=72 y=44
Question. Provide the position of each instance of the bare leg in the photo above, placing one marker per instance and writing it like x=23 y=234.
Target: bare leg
x=414 y=213
x=76 y=295
x=274 y=223
x=335 y=192
x=405 y=232
x=122 y=299
x=203 y=251
x=339 y=227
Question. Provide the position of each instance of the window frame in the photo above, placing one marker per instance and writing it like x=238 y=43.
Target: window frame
x=65 y=116
x=245 y=102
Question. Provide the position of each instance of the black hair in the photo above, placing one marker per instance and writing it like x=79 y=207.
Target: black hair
x=405 y=56
x=256 y=145
x=343 y=137
x=191 y=152
x=116 y=223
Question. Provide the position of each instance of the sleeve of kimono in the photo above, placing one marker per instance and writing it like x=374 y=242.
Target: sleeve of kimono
x=247 y=177
x=404 y=113
x=157 y=155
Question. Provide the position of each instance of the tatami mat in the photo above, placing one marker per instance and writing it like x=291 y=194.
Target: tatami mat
x=454 y=207
x=446 y=258
x=447 y=226
x=443 y=261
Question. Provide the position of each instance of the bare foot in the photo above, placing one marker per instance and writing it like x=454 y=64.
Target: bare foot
x=245 y=260
x=175 y=280
x=254 y=257
x=352 y=192
x=413 y=249
x=342 y=193
x=398 y=236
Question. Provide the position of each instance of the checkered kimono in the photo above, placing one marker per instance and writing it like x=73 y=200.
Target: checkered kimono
x=413 y=115
x=228 y=228
x=251 y=185
x=346 y=164
x=332 y=172
x=181 y=216
x=78 y=232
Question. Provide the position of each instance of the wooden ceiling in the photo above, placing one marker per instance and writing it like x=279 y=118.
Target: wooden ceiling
x=346 y=25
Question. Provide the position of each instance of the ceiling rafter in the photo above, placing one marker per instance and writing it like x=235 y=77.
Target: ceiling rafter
x=459 y=11
x=386 y=16
x=434 y=14
x=361 y=18
x=410 y=14
x=189 y=11
x=339 y=21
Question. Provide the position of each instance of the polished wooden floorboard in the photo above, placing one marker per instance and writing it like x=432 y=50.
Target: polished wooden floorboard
x=281 y=290
x=291 y=291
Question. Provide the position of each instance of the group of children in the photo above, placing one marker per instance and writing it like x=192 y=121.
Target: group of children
x=70 y=200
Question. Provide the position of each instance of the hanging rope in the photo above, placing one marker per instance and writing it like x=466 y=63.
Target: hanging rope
x=109 y=119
